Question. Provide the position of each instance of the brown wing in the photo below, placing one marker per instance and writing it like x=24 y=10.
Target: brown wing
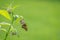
x=24 y=26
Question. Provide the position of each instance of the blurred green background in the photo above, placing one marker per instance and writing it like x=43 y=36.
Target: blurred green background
x=42 y=18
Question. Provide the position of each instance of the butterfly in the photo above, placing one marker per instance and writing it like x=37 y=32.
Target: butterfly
x=24 y=25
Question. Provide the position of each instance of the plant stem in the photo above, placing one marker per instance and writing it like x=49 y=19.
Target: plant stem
x=9 y=28
x=7 y=33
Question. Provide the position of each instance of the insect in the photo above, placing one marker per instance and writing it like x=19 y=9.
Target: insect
x=24 y=25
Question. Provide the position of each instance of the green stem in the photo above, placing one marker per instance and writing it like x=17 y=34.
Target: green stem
x=9 y=28
x=7 y=33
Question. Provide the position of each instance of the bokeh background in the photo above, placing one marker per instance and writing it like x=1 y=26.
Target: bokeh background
x=41 y=16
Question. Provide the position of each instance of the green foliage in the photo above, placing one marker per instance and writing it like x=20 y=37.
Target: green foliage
x=16 y=18
x=5 y=23
x=5 y=14
x=4 y=30
x=9 y=15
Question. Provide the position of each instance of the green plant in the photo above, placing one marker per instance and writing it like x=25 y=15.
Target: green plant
x=9 y=15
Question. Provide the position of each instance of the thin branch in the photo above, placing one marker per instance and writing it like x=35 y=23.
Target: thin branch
x=9 y=28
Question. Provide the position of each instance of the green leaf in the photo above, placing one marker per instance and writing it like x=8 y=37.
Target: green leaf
x=3 y=30
x=5 y=14
x=14 y=7
x=11 y=29
x=16 y=18
x=4 y=23
x=11 y=7
x=0 y=26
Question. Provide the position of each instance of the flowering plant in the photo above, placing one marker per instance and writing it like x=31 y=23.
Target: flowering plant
x=9 y=15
